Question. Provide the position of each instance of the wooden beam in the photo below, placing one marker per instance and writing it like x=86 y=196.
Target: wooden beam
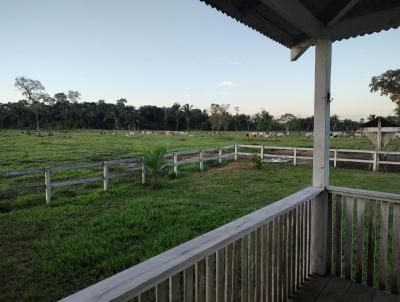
x=343 y=12
x=300 y=48
x=295 y=13
x=375 y=22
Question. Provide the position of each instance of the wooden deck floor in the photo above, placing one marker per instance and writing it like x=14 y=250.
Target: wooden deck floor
x=334 y=289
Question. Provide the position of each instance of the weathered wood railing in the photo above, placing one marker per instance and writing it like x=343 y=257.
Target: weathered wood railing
x=264 y=256
x=365 y=240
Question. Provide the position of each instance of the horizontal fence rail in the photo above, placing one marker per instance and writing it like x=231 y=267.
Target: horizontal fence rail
x=262 y=256
x=376 y=158
x=174 y=160
x=365 y=237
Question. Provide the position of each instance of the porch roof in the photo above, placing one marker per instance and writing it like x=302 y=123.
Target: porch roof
x=298 y=22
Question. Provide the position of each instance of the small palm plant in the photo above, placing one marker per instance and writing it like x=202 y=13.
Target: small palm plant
x=257 y=161
x=154 y=164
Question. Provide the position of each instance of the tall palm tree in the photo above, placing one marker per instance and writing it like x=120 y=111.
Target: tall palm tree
x=187 y=110
x=176 y=107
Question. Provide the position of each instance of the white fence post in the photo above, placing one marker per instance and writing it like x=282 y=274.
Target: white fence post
x=220 y=156
x=201 y=161
x=236 y=151
x=294 y=157
x=334 y=158
x=143 y=173
x=176 y=164
x=375 y=163
x=47 y=183
x=262 y=153
x=105 y=176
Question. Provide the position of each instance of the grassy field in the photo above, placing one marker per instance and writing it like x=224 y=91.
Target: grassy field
x=22 y=151
x=87 y=235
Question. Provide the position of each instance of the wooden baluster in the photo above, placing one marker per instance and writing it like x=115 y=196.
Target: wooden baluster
x=200 y=281
x=338 y=233
x=264 y=257
x=383 y=244
x=162 y=291
x=145 y=296
x=290 y=254
x=349 y=238
x=244 y=269
x=293 y=242
x=229 y=273
x=285 y=257
x=175 y=288
x=330 y=236
x=258 y=265
x=210 y=278
x=395 y=249
x=220 y=275
x=188 y=280
x=371 y=243
x=360 y=239
x=270 y=263
x=275 y=259
x=236 y=270
x=251 y=268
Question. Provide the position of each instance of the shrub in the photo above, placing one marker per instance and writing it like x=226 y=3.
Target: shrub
x=257 y=161
x=154 y=164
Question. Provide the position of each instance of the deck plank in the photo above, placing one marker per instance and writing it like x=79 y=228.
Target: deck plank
x=359 y=293
x=311 y=289
x=382 y=296
x=335 y=290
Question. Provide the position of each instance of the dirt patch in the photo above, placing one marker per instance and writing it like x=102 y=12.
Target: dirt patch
x=235 y=165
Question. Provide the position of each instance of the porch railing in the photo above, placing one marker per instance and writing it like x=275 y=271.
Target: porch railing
x=264 y=256
x=365 y=241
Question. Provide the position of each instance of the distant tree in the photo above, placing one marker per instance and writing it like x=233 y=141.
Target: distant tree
x=334 y=122
x=388 y=83
x=187 y=109
x=74 y=96
x=33 y=90
x=177 y=108
x=287 y=119
x=264 y=121
x=371 y=117
x=219 y=116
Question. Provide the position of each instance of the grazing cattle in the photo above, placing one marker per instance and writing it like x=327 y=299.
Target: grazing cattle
x=309 y=135
x=280 y=134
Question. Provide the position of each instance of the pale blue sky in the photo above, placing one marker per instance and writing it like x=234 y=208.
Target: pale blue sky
x=162 y=51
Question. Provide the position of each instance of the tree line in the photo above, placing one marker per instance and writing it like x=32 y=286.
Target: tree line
x=38 y=110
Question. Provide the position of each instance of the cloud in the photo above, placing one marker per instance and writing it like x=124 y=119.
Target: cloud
x=225 y=83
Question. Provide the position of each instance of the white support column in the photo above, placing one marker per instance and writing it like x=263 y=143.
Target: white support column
x=334 y=158
x=319 y=208
x=220 y=156
x=262 y=153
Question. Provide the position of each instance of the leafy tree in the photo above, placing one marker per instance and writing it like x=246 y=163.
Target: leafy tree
x=33 y=90
x=388 y=83
x=287 y=119
x=219 y=117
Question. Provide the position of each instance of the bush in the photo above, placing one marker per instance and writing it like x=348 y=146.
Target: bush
x=154 y=164
x=257 y=161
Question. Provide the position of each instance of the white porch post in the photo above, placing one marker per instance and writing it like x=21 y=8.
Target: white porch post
x=319 y=209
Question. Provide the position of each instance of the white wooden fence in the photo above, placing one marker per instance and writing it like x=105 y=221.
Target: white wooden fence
x=177 y=159
x=374 y=159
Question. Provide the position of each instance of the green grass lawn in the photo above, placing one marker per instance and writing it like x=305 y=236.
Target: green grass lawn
x=22 y=151
x=49 y=252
